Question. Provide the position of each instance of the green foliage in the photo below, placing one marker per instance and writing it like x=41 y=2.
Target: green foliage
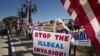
x=33 y=8
x=28 y=8
x=10 y=21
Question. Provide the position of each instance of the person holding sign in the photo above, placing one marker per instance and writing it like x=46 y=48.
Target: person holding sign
x=55 y=43
x=60 y=27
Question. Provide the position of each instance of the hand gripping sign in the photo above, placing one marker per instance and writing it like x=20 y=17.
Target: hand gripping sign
x=51 y=44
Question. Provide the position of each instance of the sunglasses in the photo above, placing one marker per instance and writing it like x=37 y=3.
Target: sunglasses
x=59 y=23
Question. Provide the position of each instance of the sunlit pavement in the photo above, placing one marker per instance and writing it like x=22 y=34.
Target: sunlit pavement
x=23 y=46
x=3 y=46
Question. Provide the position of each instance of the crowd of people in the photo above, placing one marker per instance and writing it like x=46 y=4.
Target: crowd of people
x=58 y=27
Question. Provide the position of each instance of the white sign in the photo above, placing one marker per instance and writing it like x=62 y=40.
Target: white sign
x=82 y=40
x=51 y=44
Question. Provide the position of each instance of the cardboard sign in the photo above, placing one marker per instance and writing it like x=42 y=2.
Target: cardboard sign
x=82 y=40
x=51 y=44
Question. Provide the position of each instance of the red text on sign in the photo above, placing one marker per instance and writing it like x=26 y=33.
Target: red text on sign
x=61 y=37
x=42 y=35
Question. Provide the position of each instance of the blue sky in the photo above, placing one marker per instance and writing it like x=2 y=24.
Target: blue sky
x=46 y=9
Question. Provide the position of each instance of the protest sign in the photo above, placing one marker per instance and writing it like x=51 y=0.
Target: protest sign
x=51 y=44
x=82 y=40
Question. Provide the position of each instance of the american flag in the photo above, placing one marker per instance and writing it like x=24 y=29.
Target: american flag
x=86 y=13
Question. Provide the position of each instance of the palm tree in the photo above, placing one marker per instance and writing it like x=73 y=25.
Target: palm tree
x=29 y=8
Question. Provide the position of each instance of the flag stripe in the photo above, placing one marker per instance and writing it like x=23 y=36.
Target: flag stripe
x=99 y=1
x=71 y=11
x=67 y=4
x=63 y=1
x=92 y=18
x=84 y=20
x=93 y=21
x=78 y=9
x=95 y=6
x=73 y=15
x=68 y=7
x=84 y=17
